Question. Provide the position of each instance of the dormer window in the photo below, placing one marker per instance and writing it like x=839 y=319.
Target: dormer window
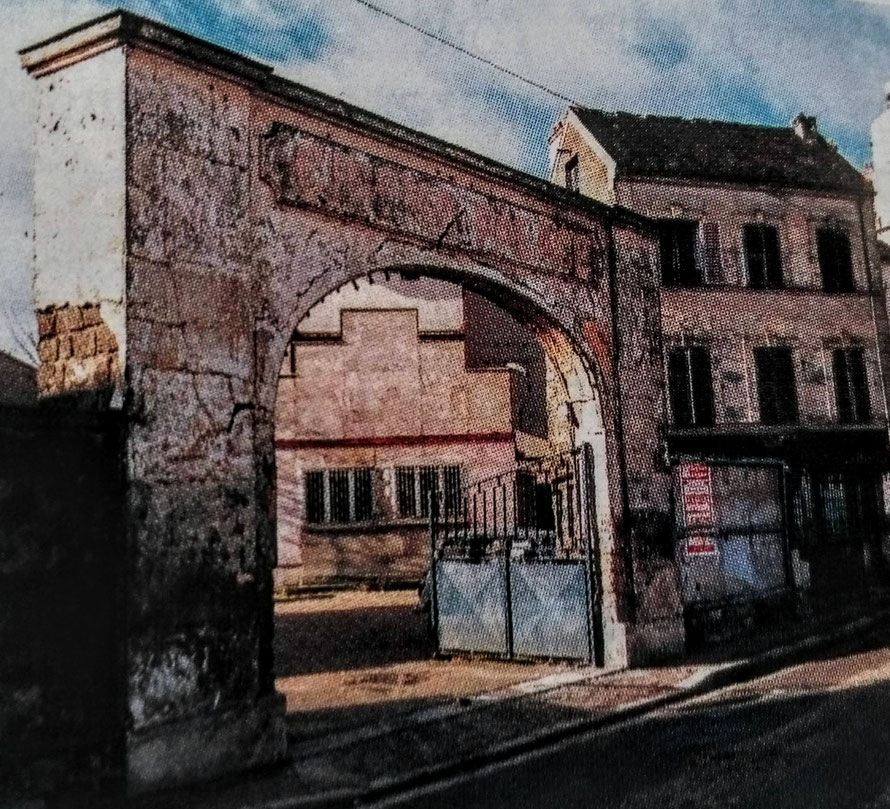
x=573 y=177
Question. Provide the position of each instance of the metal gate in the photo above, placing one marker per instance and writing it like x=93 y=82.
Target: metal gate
x=513 y=563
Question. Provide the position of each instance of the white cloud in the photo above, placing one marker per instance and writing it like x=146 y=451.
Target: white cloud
x=744 y=59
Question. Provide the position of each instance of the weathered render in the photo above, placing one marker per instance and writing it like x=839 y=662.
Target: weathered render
x=190 y=209
x=723 y=179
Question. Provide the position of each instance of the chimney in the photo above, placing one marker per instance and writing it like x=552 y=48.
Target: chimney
x=805 y=127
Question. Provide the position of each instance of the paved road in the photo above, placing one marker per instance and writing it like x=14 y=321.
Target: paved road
x=815 y=735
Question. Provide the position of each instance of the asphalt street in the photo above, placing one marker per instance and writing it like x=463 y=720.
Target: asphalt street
x=813 y=735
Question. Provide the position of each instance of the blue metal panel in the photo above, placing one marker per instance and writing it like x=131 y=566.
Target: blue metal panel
x=550 y=610
x=471 y=601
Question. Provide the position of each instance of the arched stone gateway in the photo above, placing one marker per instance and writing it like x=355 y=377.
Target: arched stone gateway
x=190 y=208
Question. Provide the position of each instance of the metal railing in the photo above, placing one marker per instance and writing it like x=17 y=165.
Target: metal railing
x=513 y=563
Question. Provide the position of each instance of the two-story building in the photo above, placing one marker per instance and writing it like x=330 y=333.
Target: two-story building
x=391 y=392
x=775 y=342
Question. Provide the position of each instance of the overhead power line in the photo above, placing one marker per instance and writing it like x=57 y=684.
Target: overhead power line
x=461 y=49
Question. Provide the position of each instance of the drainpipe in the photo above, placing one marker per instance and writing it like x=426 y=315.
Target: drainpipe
x=627 y=547
x=872 y=293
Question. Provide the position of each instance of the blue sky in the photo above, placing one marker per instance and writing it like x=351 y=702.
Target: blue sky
x=758 y=61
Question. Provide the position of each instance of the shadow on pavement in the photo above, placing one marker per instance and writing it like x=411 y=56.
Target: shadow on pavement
x=356 y=638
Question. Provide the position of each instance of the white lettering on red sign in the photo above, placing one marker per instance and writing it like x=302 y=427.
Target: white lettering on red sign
x=698 y=508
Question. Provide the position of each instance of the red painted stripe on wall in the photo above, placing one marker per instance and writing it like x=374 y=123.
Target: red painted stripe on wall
x=394 y=440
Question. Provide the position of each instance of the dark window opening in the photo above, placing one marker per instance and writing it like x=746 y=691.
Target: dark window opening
x=338 y=481
x=416 y=485
x=315 y=510
x=691 y=387
x=573 y=177
x=763 y=257
x=363 y=495
x=677 y=246
x=835 y=260
x=339 y=496
x=851 y=386
x=534 y=503
x=776 y=387
x=407 y=502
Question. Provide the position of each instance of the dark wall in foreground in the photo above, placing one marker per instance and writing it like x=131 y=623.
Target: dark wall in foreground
x=61 y=554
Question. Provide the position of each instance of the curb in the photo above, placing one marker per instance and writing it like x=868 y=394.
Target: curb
x=714 y=679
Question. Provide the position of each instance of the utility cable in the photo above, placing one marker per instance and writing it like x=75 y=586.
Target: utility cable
x=466 y=52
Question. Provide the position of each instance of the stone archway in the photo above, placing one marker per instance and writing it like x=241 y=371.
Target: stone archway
x=190 y=207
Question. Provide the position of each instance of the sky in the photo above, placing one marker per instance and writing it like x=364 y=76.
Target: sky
x=756 y=61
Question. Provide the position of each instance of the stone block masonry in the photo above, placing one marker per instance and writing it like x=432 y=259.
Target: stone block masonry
x=78 y=352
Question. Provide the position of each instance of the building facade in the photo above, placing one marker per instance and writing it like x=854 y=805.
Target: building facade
x=775 y=343
x=390 y=393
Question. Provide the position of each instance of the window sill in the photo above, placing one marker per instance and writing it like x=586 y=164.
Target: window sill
x=370 y=527
x=785 y=290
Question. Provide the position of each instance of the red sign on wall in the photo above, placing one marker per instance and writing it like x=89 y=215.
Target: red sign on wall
x=698 y=508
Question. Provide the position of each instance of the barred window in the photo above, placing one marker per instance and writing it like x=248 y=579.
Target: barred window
x=407 y=499
x=315 y=510
x=416 y=484
x=339 y=496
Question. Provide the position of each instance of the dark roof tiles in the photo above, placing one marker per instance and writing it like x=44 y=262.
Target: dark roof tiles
x=719 y=151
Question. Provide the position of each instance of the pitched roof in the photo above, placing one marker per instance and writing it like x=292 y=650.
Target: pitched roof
x=719 y=151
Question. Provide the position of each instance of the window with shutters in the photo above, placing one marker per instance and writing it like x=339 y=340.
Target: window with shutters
x=850 y=386
x=763 y=259
x=835 y=260
x=677 y=240
x=690 y=386
x=776 y=387
x=415 y=485
x=339 y=496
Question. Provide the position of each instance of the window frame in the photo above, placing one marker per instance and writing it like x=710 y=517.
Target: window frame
x=857 y=407
x=357 y=515
x=449 y=492
x=768 y=280
x=773 y=385
x=832 y=282
x=682 y=276
x=697 y=391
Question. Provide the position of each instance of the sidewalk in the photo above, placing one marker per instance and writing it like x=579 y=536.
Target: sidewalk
x=412 y=747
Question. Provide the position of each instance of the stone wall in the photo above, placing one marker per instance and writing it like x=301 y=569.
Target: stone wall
x=78 y=353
